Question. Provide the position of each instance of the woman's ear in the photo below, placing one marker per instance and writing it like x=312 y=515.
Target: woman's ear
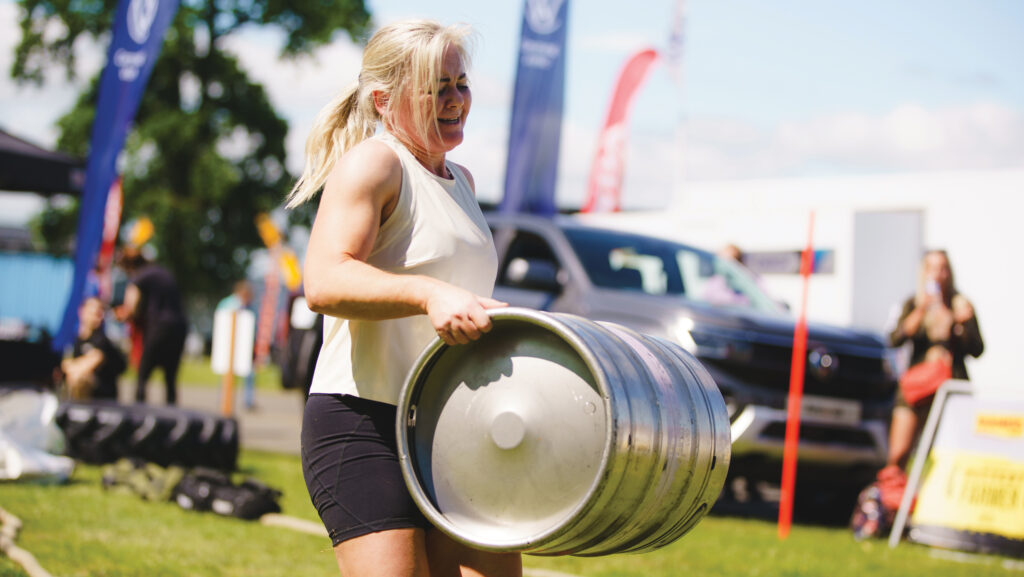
x=380 y=102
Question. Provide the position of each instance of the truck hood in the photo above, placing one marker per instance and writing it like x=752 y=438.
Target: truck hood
x=738 y=323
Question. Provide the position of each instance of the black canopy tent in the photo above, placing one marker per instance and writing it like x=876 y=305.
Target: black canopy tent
x=25 y=167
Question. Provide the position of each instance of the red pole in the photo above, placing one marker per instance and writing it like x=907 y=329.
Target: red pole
x=796 y=392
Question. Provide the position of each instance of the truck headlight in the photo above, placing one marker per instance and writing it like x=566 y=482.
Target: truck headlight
x=681 y=331
x=709 y=346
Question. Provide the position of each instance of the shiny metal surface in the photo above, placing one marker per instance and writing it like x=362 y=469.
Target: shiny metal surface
x=556 y=435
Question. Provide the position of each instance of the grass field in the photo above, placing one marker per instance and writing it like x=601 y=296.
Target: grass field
x=80 y=530
x=196 y=371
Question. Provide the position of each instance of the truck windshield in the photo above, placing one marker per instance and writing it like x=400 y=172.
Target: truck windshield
x=624 y=261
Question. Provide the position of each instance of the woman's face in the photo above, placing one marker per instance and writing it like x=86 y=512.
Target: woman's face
x=453 y=96
x=936 y=267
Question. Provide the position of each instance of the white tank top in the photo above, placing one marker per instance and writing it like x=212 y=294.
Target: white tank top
x=436 y=230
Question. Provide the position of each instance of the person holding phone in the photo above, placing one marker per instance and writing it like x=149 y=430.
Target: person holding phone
x=940 y=324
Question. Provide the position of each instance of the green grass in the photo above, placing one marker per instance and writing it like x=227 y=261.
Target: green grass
x=80 y=530
x=196 y=371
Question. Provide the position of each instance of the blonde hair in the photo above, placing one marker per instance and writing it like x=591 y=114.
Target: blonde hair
x=400 y=61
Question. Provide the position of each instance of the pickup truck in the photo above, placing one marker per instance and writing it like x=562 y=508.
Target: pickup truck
x=716 y=309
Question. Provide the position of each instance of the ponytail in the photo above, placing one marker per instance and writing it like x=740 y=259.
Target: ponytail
x=342 y=124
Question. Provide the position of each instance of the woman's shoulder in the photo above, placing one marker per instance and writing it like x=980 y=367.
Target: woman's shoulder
x=907 y=305
x=465 y=172
x=372 y=162
x=372 y=153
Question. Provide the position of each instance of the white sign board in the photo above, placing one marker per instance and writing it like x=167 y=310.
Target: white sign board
x=972 y=496
x=240 y=364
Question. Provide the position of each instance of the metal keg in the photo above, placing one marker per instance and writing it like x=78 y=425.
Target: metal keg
x=554 y=435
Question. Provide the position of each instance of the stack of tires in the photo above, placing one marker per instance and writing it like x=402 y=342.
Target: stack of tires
x=102 y=432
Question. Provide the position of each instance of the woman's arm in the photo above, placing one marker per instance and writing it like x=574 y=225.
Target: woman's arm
x=966 y=331
x=80 y=371
x=129 y=306
x=908 y=323
x=360 y=194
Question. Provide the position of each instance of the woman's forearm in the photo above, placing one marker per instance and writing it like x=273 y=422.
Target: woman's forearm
x=353 y=289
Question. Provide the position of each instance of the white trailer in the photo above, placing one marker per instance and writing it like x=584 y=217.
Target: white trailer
x=877 y=227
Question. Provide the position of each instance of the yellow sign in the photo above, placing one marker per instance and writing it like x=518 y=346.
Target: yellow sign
x=971 y=492
x=141 y=232
x=1007 y=426
x=290 y=269
x=268 y=232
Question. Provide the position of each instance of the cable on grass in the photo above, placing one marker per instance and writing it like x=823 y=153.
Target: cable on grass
x=9 y=527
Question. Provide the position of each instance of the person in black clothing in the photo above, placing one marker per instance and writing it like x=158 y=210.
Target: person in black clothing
x=95 y=363
x=939 y=322
x=153 y=302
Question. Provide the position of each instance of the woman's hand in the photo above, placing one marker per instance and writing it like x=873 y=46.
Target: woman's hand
x=962 y=310
x=458 y=315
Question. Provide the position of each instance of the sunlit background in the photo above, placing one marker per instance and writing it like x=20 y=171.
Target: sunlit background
x=766 y=89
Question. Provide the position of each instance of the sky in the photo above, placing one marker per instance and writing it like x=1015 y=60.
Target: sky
x=766 y=89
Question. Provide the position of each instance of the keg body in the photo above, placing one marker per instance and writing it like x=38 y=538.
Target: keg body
x=554 y=435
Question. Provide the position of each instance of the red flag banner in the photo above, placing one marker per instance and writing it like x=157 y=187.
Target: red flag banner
x=111 y=224
x=605 y=182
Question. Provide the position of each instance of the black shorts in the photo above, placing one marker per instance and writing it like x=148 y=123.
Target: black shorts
x=350 y=463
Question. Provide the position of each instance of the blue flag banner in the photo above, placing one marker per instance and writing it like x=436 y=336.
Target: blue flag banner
x=536 y=128
x=138 y=34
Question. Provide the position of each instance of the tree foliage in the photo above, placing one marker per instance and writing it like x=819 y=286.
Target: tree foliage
x=207 y=151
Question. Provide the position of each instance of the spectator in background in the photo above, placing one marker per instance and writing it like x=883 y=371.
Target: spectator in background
x=92 y=370
x=305 y=336
x=939 y=323
x=719 y=289
x=241 y=298
x=942 y=329
x=731 y=252
x=152 y=301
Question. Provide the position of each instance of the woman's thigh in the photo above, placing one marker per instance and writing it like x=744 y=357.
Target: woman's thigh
x=350 y=463
x=351 y=467
x=392 y=553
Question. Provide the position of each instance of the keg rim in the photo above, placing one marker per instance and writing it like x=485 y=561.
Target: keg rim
x=410 y=389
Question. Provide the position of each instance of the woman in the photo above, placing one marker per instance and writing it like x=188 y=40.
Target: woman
x=940 y=324
x=399 y=252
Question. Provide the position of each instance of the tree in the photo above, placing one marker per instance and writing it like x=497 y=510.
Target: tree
x=200 y=162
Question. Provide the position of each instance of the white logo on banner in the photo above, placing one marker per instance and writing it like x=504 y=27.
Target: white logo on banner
x=141 y=14
x=139 y=20
x=542 y=15
x=542 y=18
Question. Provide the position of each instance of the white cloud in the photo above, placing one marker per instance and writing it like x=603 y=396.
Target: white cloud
x=982 y=135
x=906 y=139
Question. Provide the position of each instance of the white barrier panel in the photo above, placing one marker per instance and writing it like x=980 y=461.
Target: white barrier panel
x=244 y=340
x=972 y=496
